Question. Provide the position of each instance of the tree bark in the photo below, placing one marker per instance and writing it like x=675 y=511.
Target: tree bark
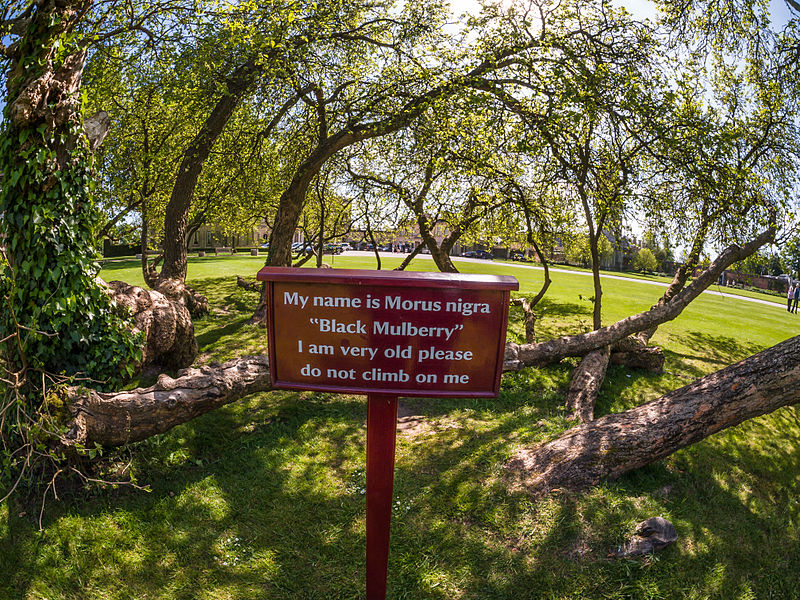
x=374 y=243
x=616 y=444
x=177 y=291
x=648 y=358
x=530 y=318
x=441 y=258
x=597 y=306
x=124 y=417
x=166 y=324
x=585 y=384
x=195 y=155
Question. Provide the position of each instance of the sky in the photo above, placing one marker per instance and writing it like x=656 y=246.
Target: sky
x=640 y=9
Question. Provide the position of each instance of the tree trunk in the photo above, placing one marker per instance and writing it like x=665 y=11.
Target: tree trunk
x=530 y=318
x=521 y=355
x=304 y=258
x=616 y=444
x=177 y=291
x=321 y=236
x=648 y=358
x=49 y=214
x=177 y=213
x=166 y=324
x=441 y=258
x=411 y=256
x=374 y=243
x=597 y=322
x=585 y=384
x=130 y=416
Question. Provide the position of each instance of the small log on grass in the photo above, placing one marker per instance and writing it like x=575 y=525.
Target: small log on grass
x=119 y=418
x=616 y=444
x=585 y=384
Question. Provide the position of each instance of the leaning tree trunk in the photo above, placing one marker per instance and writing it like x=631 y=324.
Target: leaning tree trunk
x=411 y=256
x=519 y=356
x=130 y=416
x=616 y=444
x=176 y=217
x=584 y=386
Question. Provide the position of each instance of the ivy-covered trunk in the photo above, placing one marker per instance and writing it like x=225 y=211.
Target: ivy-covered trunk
x=56 y=316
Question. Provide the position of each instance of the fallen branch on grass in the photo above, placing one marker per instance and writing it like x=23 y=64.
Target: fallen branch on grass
x=616 y=444
x=119 y=418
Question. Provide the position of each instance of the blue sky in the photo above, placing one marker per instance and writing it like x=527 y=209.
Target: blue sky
x=640 y=9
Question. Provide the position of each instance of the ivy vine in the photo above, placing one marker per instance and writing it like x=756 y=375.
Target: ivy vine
x=57 y=322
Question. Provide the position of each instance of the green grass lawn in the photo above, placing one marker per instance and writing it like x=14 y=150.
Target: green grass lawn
x=265 y=498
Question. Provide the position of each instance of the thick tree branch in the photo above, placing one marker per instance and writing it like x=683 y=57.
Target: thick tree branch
x=616 y=444
x=120 y=418
x=521 y=355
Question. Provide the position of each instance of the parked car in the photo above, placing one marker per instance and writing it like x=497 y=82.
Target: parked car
x=345 y=246
x=517 y=255
x=332 y=249
x=470 y=254
x=483 y=254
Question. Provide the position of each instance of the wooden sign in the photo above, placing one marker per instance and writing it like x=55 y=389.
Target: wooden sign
x=387 y=332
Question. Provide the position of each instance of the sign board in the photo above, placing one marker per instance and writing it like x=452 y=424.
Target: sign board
x=387 y=332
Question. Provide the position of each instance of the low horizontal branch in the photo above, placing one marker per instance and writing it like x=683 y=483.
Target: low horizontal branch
x=116 y=419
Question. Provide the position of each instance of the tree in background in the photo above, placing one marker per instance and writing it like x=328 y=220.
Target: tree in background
x=645 y=260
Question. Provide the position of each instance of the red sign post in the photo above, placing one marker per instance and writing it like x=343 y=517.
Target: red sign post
x=385 y=334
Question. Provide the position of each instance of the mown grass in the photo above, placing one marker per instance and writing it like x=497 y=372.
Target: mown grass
x=264 y=498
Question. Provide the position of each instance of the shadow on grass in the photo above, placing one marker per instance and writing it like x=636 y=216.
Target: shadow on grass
x=721 y=349
x=713 y=352
x=263 y=499
x=211 y=335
